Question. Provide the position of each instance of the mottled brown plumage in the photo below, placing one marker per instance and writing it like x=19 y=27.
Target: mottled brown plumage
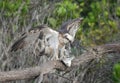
x=48 y=41
x=28 y=38
x=18 y=44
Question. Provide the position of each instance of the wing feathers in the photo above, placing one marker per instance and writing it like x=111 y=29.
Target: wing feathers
x=18 y=44
x=28 y=38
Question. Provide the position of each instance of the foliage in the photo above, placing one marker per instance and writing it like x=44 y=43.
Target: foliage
x=14 y=14
x=64 y=11
x=14 y=9
x=100 y=24
x=98 y=27
x=116 y=73
x=10 y=8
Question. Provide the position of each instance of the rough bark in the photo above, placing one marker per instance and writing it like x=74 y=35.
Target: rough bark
x=31 y=72
x=92 y=53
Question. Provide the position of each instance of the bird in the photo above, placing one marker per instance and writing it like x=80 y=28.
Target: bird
x=41 y=37
x=28 y=38
x=68 y=31
x=70 y=27
x=48 y=41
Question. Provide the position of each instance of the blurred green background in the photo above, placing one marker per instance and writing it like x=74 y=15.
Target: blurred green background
x=101 y=19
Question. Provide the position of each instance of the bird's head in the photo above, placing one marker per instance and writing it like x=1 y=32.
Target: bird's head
x=71 y=26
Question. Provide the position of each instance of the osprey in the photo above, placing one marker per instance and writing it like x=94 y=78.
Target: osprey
x=68 y=31
x=48 y=41
x=70 y=27
x=42 y=38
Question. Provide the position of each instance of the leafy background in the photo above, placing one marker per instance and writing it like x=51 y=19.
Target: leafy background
x=101 y=23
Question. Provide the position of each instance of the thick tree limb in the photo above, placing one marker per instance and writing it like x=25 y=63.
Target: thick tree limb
x=31 y=72
x=96 y=52
x=47 y=67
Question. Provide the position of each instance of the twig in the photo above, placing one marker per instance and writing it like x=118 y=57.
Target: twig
x=64 y=77
x=56 y=64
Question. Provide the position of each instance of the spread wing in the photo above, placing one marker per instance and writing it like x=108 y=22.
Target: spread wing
x=49 y=38
x=29 y=38
x=43 y=40
x=19 y=44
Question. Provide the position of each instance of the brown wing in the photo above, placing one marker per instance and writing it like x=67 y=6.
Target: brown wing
x=18 y=44
x=28 y=38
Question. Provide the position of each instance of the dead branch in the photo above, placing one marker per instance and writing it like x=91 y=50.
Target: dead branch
x=92 y=53
x=31 y=72
x=96 y=52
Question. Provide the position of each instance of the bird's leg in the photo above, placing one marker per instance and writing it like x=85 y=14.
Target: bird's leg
x=35 y=45
x=62 y=50
x=54 y=56
x=42 y=45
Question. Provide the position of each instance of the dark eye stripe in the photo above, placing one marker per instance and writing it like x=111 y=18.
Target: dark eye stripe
x=70 y=26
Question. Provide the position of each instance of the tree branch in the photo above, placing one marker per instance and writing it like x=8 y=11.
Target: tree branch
x=96 y=52
x=31 y=72
x=92 y=53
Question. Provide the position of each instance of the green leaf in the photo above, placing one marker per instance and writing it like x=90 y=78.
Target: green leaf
x=25 y=9
x=61 y=11
x=118 y=11
x=116 y=73
x=52 y=22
